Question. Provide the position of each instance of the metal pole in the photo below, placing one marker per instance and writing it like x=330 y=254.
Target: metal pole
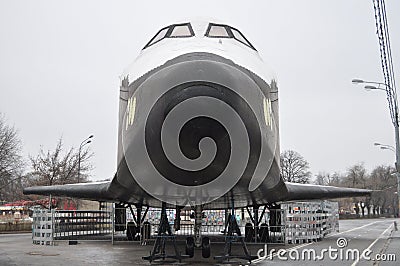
x=398 y=193
x=79 y=171
x=52 y=227
x=112 y=223
x=83 y=143
x=394 y=112
x=198 y=219
x=255 y=208
x=396 y=132
x=79 y=162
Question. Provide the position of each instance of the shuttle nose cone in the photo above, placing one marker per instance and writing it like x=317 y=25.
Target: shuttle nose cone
x=198 y=129
x=194 y=130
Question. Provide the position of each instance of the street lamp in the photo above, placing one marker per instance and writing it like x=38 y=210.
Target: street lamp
x=369 y=87
x=385 y=147
x=359 y=81
x=83 y=143
x=394 y=115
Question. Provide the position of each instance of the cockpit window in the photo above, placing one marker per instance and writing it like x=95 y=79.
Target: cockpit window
x=239 y=36
x=173 y=31
x=159 y=36
x=225 y=31
x=182 y=31
x=218 y=31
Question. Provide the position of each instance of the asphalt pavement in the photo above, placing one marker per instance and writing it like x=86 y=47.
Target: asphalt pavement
x=359 y=242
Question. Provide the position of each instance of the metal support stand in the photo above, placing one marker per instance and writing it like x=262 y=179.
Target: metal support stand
x=138 y=219
x=133 y=213
x=256 y=221
x=227 y=215
x=164 y=234
x=197 y=225
x=262 y=214
x=139 y=216
x=233 y=234
x=255 y=208
x=133 y=229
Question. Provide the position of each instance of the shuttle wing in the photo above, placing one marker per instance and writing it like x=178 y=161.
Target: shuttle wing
x=102 y=191
x=298 y=191
x=98 y=191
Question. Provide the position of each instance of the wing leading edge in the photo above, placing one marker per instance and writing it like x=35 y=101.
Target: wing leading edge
x=91 y=191
x=310 y=192
x=103 y=191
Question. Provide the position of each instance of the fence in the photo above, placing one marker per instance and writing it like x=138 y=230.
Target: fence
x=289 y=223
x=310 y=221
x=15 y=227
x=49 y=226
x=78 y=224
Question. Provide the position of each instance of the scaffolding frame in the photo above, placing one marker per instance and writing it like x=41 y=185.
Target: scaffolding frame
x=310 y=221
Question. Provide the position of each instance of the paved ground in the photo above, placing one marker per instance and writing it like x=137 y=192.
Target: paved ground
x=376 y=234
x=355 y=236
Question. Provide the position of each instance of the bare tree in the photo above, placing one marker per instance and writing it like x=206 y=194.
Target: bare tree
x=327 y=179
x=357 y=176
x=382 y=180
x=56 y=168
x=294 y=168
x=11 y=163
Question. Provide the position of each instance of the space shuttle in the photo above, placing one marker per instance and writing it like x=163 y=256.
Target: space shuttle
x=198 y=126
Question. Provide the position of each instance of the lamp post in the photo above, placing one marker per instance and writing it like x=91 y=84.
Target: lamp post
x=394 y=206
x=369 y=87
x=394 y=114
x=83 y=143
x=385 y=147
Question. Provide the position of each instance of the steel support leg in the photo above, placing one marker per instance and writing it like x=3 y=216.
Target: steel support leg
x=256 y=222
x=233 y=234
x=164 y=234
x=197 y=225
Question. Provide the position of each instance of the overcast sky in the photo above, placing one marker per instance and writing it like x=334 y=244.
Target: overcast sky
x=60 y=63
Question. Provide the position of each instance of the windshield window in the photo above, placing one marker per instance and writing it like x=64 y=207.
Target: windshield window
x=159 y=36
x=239 y=36
x=181 y=31
x=225 y=31
x=217 y=31
x=173 y=31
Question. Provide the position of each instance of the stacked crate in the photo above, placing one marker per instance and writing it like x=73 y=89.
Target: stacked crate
x=42 y=227
x=332 y=216
x=310 y=221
